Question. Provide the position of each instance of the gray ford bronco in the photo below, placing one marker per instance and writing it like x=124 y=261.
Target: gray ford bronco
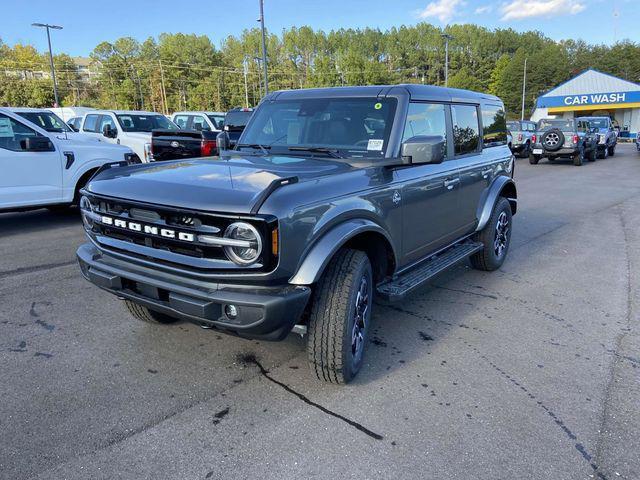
x=330 y=198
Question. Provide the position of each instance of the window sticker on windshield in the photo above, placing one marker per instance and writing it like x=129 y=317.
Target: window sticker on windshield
x=375 y=144
x=5 y=128
x=377 y=106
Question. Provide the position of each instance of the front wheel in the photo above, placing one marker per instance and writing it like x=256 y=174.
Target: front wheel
x=495 y=237
x=340 y=317
x=593 y=155
x=146 y=315
x=611 y=150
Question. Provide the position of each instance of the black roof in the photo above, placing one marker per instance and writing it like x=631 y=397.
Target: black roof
x=415 y=91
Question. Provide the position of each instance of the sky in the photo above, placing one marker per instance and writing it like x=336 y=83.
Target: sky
x=88 y=23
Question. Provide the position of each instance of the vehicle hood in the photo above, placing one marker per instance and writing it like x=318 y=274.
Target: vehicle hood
x=76 y=137
x=229 y=184
x=603 y=130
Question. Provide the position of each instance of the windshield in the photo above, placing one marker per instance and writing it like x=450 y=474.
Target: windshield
x=217 y=120
x=354 y=127
x=47 y=121
x=598 y=123
x=145 y=123
x=547 y=124
x=237 y=119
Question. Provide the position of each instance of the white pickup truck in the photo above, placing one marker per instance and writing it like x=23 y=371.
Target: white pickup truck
x=41 y=168
x=124 y=127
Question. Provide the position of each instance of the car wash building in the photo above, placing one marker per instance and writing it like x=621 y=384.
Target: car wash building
x=593 y=93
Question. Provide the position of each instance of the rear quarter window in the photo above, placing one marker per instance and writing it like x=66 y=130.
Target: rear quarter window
x=466 y=129
x=494 y=126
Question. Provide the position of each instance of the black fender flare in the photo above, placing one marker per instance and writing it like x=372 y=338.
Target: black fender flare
x=320 y=254
x=489 y=200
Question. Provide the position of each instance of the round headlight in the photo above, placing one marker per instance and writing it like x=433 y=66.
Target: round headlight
x=85 y=210
x=249 y=243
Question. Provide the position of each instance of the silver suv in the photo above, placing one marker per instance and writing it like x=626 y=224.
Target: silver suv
x=522 y=132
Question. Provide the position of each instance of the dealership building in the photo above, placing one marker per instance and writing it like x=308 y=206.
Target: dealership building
x=594 y=93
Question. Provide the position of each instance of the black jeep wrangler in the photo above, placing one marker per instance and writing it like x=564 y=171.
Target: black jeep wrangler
x=555 y=138
x=330 y=198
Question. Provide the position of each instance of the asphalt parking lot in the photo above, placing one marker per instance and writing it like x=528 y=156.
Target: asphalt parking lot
x=529 y=372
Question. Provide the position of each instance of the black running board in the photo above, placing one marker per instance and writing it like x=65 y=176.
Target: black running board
x=396 y=289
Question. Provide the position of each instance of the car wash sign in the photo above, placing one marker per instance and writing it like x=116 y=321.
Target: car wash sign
x=576 y=102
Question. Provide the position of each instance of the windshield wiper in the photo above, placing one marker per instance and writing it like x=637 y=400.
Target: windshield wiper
x=332 y=152
x=264 y=148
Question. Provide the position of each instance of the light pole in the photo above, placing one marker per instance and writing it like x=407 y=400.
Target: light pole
x=524 y=88
x=245 y=68
x=53 y=70
x=264 y=48
x=446 y=37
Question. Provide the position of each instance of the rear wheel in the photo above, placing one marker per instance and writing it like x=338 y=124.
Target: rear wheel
x=578 y=158
x=340 y=317
x=526 y=150
x=495 y=237
x=534 y=159
x=592 y=155
x=146 y=315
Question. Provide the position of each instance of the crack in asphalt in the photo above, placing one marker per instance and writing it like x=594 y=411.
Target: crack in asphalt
x=617 y=358
x=251 y=359
x=584 y=453
x=35 y=268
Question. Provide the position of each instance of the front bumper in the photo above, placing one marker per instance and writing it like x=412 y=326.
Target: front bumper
x=264 y=312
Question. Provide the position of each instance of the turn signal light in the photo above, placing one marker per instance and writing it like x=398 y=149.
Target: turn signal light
x=274 y=242
x=575 y=139
x=534 y=138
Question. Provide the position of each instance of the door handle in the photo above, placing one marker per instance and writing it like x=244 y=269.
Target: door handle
x=451 y=183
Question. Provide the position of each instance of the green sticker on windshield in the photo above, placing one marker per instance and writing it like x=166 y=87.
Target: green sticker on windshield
x=377 y=106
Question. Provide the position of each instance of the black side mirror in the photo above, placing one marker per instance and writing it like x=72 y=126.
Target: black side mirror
x=223 y=141
x=73 y=127
x=37 y=144
x=109 y=132
x=423 y=149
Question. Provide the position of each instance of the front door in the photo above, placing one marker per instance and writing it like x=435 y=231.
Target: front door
x=429 y=192
x=28 y=178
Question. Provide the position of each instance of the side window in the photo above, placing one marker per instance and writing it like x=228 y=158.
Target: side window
x=426 y=119
x=12 y=132
x=90 y=123
x=181 y=121
x=105 y=120
x=494 y=126
x=466 y=129
x=199 y=123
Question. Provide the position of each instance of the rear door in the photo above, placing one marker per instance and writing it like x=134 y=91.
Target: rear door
x=27 y=178
x=429 y=192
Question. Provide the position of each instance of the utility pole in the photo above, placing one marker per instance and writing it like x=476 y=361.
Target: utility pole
x=53 y=70
x=164 y=92
x=446 y=37
x=264 y=48
x=245 y=68
x=524 y=88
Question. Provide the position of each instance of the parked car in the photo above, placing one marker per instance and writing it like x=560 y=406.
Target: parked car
x=555 y=138
x=607 y=135
x=49 y=121
x=177 y=144
x=75 y=123
x=41 y=168
x=638 y=141
x=124 y=127
x=205 y=121
x=235 y=121
x=331 y=197
x=522 y=131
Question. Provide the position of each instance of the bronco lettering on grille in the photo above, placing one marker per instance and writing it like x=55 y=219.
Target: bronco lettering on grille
x=148 y=229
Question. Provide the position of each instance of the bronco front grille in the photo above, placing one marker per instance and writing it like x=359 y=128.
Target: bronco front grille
x=183 y=238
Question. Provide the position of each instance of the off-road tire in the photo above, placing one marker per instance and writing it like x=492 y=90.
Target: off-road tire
x=611 y=150
x=593 y=155
x=526 y=150
x=487 y=259
x=602 y=154
x=332 y=317
x=146 y=315
x=534 y=159
x=578 y=158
